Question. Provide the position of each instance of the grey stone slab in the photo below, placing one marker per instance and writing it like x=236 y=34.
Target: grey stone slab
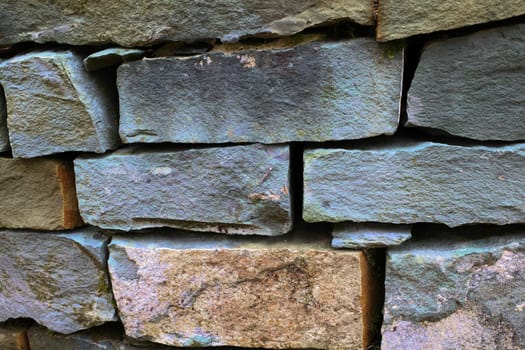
x=456 y=291
x=369 y=235
x=38 y=194
x=4 y=136
x=144 y=22
x=54 y=106
x=312 y=92
x=407 y=182
x=240 y=189
x=111 y=57
x=54 y=279
x=472 y=86
x=403 y=18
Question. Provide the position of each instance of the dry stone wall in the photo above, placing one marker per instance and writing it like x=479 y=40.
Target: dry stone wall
x=345 y=174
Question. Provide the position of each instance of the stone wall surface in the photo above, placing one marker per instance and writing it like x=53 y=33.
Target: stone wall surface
x=343 y=174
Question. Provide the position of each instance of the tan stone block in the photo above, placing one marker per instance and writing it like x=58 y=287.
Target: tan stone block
x=13 y=337
x=195 y=290
x=38 y=194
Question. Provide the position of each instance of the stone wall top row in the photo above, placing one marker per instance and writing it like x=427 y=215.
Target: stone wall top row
x=145 y=22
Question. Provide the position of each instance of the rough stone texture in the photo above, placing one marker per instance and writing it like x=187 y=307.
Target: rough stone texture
x=111 y=57
x=456 y=291
x=408 y=182
x=403 y=18
x=193 y=290
x=38 y=194
x=313 y=92
x=370 y=235
x=54 y=106
x=4 y=137
x=57 y=280
x=143 y=22
x=13 y=337
x=471 y=86
x=242 y=189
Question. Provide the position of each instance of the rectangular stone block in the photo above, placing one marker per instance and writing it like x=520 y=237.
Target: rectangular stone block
x=13 y=337
x=143 y=22
x=456 y=290
x=409 y=182
x=241 y=189
x=305 y=93
x=185 y=289
x=353 y=235
x=4 y=136
x=38 y=194
x=472 y=86
x=58 y=280
x=54 y=105
x=403 y=18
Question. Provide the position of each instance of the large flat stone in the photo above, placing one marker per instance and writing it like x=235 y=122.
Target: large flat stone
x=13 y=337
x=471 y=86
x=408 y=182
x=242 y=189
x=305 y=93
x=194 y=290
x=403 y=18
x=144 y=22
x=456 y=291
x=352 y=235
x=4 y=136
x=54 y=106
x=59 y=280
x=38 y=194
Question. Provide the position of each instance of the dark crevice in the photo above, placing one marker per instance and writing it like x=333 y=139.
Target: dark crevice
x=377 y=263
x=296 y=182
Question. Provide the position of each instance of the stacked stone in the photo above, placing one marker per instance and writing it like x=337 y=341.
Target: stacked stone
x=161 y=191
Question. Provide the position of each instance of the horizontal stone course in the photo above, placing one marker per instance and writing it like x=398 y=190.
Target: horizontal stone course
x=403 y=18
x=312 y=92
x=456 y=290
x=59 y=280
x=369 y=235
x=54 y=106
x=409 y=182
x=194 y=290
x=144 y=22
x=239 y=189
x=471 y=86
x=38 y=194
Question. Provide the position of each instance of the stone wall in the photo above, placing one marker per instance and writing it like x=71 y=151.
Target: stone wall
x=345 y=174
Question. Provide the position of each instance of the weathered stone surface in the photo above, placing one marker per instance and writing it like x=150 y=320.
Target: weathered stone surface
x=471 y=86
x=242 y=189
x=38 y=194
x=4 y=137
x=194 y=290
x=403 y=18
x=54 y=106
x=370 y=235
x=143 y=22
x=13 y=337
x=408 y=182
x=452 y=291
x=305 y=93
x=57 y=280
x=111 y=57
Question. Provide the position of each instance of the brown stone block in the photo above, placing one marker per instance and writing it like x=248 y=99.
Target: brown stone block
x=38 y=194
x=195 y=290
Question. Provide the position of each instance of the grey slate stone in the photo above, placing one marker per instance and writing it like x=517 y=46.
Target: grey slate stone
x=144 y=22
x=409 y=182
x=456 y=290
x=54 y=106
x=313 y=92
x=4 y=137
x=403 y=18
x=111 y=57
x=472 y=86
x=242 y=189
x=57 y=280
x=369 y=235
